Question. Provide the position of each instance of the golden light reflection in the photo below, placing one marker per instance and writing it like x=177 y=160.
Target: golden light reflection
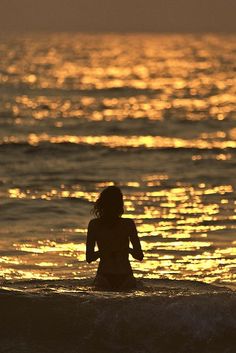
x=52 y=194
x=51 y=246
x=188 y=231
x=218 y=157
x=125 y=141
x=176 y=226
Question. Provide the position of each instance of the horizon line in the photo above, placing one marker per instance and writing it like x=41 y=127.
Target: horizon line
x=121 y=32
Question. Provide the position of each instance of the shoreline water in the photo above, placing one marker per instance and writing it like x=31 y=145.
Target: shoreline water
x=184 y=317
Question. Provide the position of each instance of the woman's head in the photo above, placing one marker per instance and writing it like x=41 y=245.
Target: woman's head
x=109 y=203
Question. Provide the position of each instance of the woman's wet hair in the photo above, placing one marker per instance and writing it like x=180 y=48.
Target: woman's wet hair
x=109 y=204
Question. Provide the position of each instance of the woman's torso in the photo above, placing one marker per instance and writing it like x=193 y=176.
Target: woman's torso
x=112 y=238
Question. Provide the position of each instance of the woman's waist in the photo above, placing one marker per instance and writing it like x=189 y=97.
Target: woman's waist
x=122 y=253
x=114 y=261
x=115 y=271
x=114 y=266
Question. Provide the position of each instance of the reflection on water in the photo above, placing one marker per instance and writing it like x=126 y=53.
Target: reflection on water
x=178 y=227
x=154 y=114
x=126 y=141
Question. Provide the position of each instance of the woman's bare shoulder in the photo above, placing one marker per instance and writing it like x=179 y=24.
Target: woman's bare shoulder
x=94 y=222
x=127 y=221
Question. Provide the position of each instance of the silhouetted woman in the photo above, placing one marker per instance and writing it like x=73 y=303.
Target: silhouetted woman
x=112 y=234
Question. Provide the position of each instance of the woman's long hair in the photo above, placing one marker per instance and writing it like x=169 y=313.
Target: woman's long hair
x=109 y=204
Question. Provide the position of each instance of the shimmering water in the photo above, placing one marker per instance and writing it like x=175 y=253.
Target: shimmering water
x=154 y=114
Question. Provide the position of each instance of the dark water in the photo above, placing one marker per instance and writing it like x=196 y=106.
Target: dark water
x=155 y=115
x=164 y=315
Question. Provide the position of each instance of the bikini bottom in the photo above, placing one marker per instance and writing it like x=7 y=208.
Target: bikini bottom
x=110 y=281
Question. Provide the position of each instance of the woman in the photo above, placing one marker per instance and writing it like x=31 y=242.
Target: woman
x=112 y=234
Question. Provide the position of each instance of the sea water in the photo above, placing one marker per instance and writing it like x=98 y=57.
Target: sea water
x=155 y=115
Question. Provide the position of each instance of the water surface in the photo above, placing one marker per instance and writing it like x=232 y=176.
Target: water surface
x=154 y=114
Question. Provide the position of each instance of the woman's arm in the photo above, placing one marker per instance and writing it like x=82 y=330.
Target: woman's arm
x=91 y=255
x=136 y=251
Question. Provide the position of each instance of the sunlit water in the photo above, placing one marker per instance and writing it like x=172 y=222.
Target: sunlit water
x=153 y=114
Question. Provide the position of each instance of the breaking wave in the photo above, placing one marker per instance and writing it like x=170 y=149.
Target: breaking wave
x=160 y=316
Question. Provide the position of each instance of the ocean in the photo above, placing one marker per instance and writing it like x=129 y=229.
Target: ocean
x=155 y=115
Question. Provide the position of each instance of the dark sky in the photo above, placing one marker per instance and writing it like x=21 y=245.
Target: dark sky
x=119 y=15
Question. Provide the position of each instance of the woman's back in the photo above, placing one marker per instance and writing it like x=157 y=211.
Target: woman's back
x=112 y=239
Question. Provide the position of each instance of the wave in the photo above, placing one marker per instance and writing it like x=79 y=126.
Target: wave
x=160 y=316
x=120 y=141
x=27 y=89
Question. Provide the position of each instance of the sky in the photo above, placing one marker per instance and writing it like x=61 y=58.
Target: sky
x=118 y=15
